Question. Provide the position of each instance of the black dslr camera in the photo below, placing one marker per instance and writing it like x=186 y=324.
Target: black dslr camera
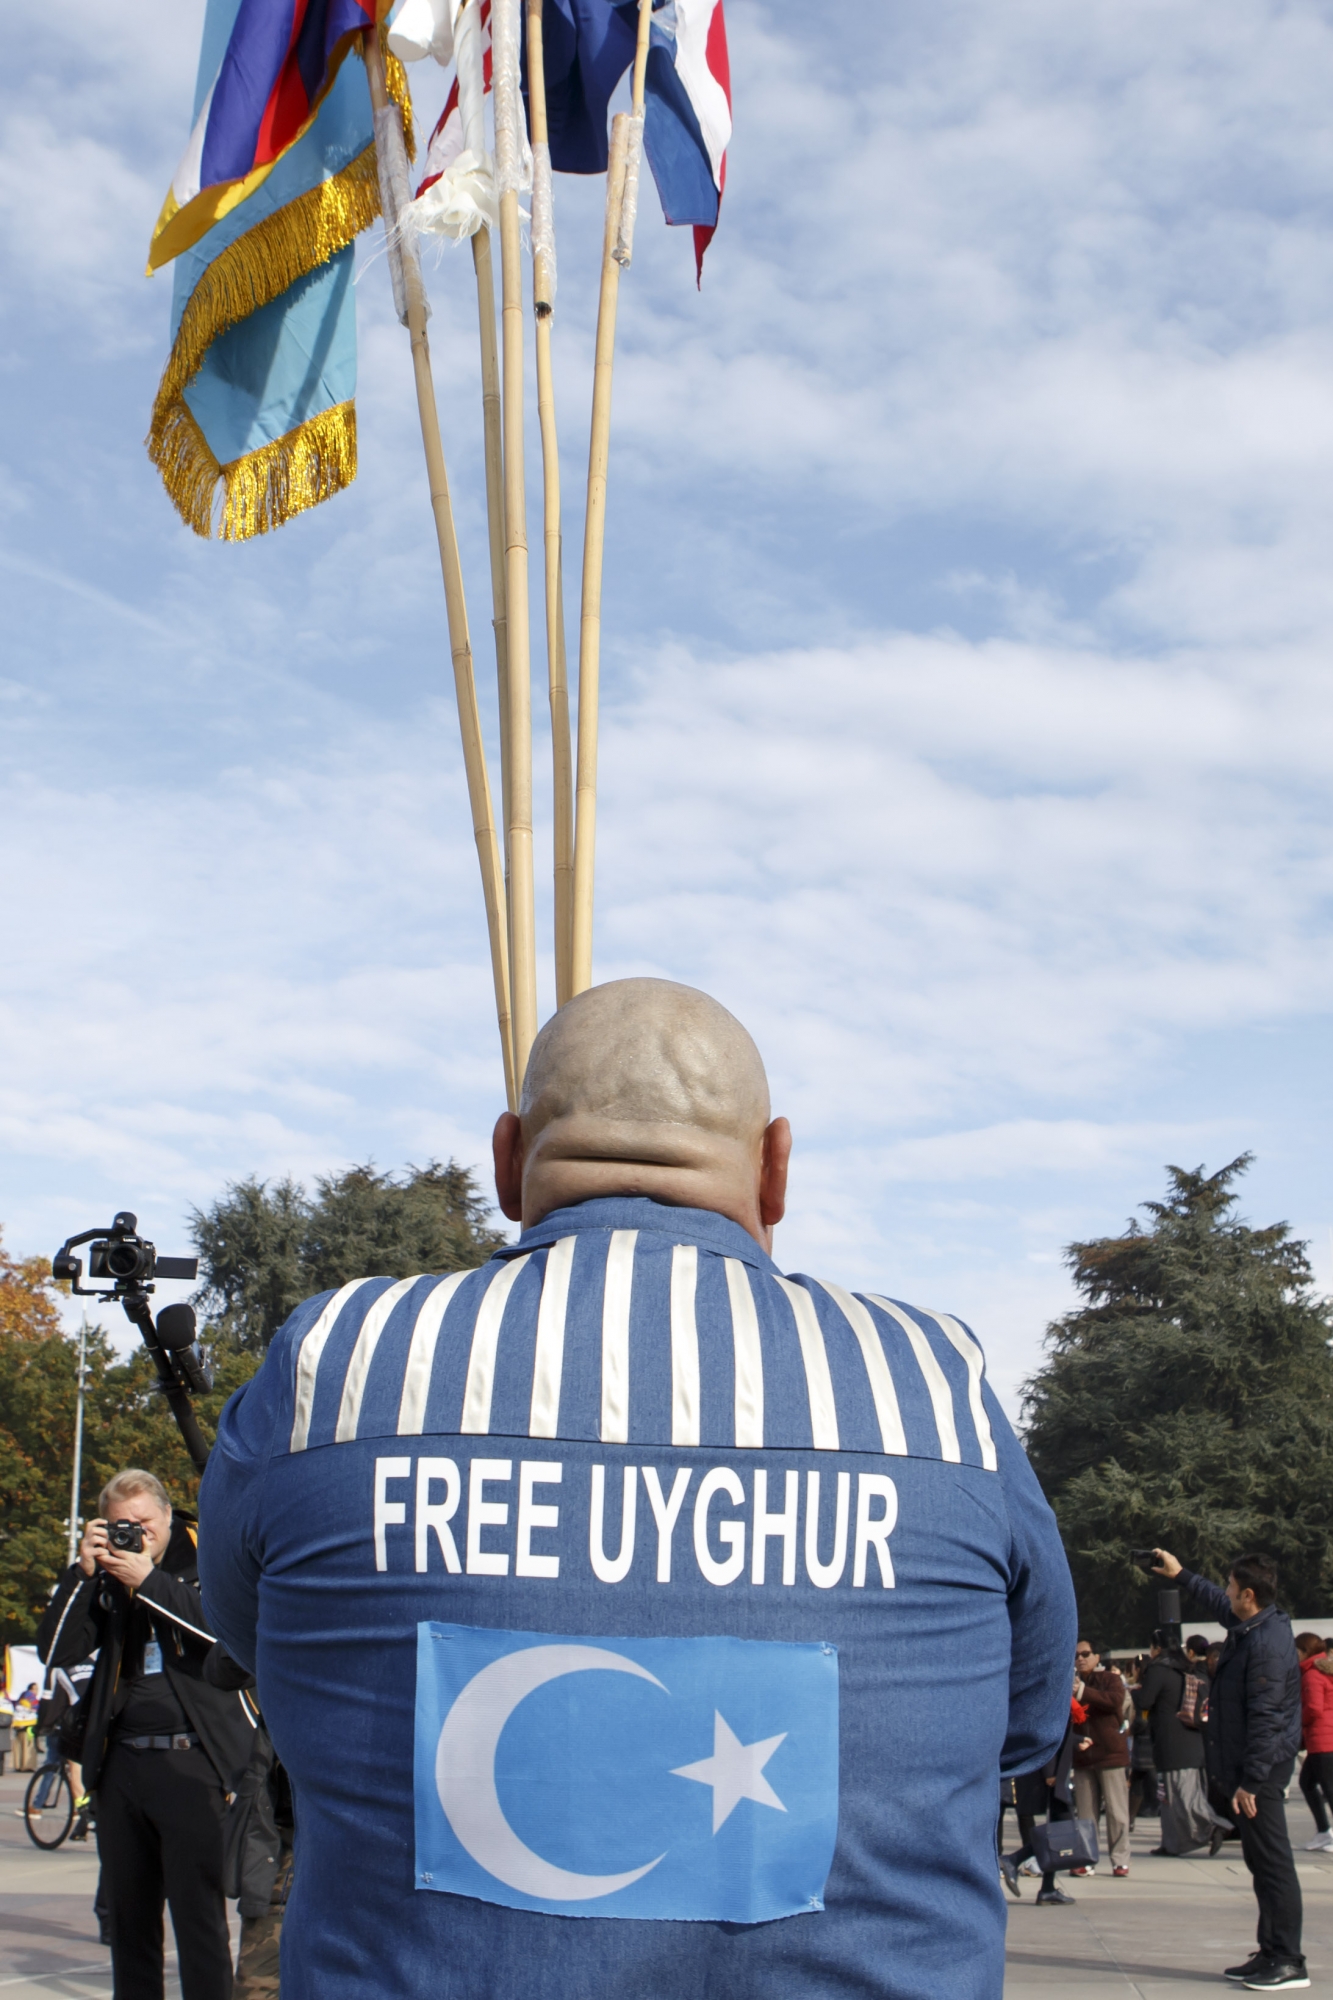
x=127 y=1536
x=132 y=1264
x=121 y=1254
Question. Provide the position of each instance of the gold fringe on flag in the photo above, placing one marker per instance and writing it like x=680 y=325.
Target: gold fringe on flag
x=318 y=458
x=266 y=487
x=259 y=266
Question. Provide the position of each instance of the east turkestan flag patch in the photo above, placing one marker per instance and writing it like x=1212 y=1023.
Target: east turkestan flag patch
x=694 y=1779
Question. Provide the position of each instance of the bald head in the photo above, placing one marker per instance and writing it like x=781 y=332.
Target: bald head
x=644 y=1087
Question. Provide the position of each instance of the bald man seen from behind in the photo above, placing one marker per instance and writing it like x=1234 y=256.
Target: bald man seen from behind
x=635 y=1622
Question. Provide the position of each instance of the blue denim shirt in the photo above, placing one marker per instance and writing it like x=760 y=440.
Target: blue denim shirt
x=499 y=1452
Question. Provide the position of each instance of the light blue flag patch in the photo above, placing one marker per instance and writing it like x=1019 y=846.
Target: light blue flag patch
x=694 y=1779
x=296 y=356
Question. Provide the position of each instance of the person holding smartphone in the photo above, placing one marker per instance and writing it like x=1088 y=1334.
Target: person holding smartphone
x=161 y=1747
x=1255 y=1731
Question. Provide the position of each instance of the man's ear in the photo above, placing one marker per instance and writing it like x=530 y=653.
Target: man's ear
x=507 y=1150
x=773 y=1173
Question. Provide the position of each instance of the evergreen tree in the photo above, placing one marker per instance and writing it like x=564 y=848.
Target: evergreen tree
x=1188 y=1404
x=263 y=1248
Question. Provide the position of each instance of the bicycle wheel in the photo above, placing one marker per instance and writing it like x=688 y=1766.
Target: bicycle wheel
x=48 y=1823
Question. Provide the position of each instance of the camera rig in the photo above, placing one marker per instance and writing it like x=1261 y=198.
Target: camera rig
x=132 y=1264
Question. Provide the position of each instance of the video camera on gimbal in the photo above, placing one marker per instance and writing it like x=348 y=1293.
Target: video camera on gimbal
x=132 y=1264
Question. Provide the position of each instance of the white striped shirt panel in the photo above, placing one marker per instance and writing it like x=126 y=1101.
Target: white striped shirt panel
x=420 y=1365
x=814 y=1360
x=548 y=1364
x=812 y=1367
x=617 y=1294
x=308 y=1358
x=480 y=1385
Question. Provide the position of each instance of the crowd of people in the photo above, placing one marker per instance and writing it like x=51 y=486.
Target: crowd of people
x=1200 y=1735
x=1159 y=1737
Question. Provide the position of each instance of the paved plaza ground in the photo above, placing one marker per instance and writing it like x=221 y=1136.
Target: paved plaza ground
x=1165 y=1933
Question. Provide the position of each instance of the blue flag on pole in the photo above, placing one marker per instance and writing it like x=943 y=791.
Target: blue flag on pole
x=254 y=418
x=694 y=1779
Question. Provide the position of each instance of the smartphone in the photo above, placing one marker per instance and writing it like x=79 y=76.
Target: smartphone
x=1145 y=1558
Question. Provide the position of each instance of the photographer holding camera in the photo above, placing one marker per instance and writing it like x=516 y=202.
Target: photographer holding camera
x=1254 y=1732
x=160 y=1746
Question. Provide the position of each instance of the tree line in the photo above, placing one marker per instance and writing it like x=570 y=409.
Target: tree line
x=1187 y=1401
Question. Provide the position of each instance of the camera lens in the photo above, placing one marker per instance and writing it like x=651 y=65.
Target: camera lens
x=124 y=1260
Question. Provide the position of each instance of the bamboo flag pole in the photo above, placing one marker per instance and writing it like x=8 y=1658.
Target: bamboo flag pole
x=471 y=101
x=621 y=200
x=410 y=300
x=522 y=916
x=495 y=518
x=543 y=299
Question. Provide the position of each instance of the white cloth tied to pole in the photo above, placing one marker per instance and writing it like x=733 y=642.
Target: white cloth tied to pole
x=396 y=201
x=470 y=65
x=629 y=201
x=457 y=196
x=459 y=203
x=513 y=156
x=543 y=219
x=423 y=28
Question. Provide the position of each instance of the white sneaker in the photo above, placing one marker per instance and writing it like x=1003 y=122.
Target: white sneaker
x=1321 y=1843
x=1029 y=1868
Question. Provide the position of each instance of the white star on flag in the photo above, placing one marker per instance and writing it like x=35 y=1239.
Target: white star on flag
x=735 y=1771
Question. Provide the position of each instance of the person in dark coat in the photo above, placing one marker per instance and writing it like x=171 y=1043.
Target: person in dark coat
x=1254 y=1734
x=1188 y=1821
x=161 y=1747
x=1049 y=1791
x=1142 y=1770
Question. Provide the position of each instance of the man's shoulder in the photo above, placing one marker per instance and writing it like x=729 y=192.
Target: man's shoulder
x=687 y=1322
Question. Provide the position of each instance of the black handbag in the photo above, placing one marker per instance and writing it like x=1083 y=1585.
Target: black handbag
x=1061 y=1844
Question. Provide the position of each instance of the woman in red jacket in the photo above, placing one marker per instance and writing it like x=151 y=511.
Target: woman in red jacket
x=1317 y=1735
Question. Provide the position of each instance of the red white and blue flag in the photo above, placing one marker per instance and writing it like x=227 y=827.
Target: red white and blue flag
x=449 y=139
x=589 y=45
x=280 y=60
x=687 y=122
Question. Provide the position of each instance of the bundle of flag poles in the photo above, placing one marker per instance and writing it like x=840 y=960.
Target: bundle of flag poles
x=301 y=135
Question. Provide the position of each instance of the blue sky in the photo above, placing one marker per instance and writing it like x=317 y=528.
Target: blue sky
x=967 y=698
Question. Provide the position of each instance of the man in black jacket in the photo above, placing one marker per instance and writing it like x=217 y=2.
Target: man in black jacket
x=1255 y=1730
x=161 y=1747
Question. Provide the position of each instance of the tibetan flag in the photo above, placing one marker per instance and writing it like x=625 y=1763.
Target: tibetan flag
x=265 y=68
x=254 y=415
x=687 y=121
